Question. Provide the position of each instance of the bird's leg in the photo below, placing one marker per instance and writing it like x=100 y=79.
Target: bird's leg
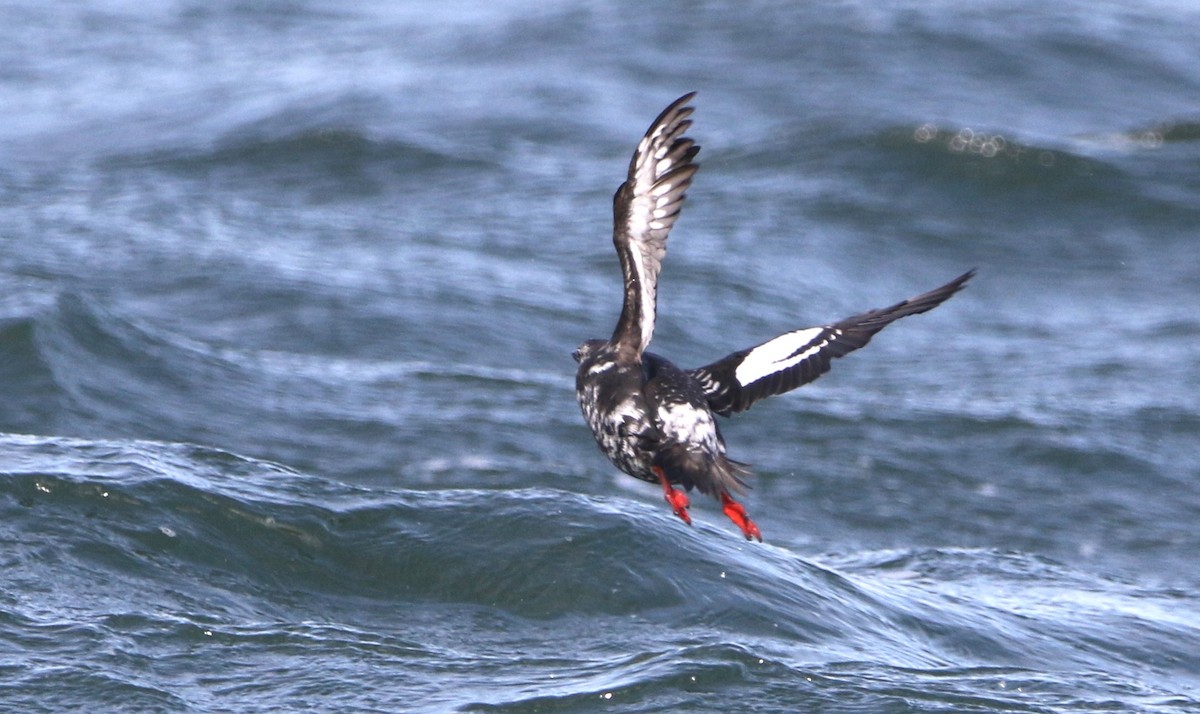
x=678 y=499
x=737 y=514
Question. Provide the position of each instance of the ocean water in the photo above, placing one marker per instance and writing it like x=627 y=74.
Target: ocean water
x=288 y=291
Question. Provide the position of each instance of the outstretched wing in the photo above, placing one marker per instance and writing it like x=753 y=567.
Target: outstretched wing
x=780 y=365
x=644 y=209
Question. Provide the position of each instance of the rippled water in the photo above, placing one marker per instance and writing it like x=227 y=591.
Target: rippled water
x=288 y=292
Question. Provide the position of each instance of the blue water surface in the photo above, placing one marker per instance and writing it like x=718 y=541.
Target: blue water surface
x=288 y=292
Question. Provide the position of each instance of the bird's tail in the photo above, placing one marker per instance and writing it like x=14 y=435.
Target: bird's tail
x=692 y=468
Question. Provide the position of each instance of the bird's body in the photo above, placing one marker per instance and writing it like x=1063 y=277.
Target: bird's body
x=654 y=420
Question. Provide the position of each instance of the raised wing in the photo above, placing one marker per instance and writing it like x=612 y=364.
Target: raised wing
x=644 y=209
x=780 y=365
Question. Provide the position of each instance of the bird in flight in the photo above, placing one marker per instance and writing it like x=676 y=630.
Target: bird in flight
x=654 y=420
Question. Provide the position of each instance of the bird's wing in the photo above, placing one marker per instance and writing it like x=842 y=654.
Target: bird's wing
x=796 y=358
x=644 y=209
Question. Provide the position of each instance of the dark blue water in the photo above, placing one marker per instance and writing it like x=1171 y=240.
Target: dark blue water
x=288 y=292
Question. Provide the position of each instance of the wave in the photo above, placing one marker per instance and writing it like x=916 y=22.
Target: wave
x=327 y=163
x=206 y=530
x=325 y=146
x=1151 y=136
x=30 y=392
x=998 y=160
x=180 y=549
x=84 y=367
x=945 y=154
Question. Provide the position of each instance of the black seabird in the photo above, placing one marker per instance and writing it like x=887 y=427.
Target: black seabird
x=654 y=420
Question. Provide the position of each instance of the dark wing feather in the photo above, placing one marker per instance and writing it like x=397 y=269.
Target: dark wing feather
x=796 y=358
x=645 y=207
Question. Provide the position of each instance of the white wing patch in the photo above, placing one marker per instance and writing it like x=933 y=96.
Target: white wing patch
x=781 y=353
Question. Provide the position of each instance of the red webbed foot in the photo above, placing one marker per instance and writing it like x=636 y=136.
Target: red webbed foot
x=678 y=499
x=737 y=513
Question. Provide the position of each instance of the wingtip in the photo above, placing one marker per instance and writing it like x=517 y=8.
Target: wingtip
x=933 y=298
x=951 y=287
x=680 y=105
x=961 y=281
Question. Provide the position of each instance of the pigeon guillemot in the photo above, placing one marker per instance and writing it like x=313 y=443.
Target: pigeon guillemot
x=654 y=420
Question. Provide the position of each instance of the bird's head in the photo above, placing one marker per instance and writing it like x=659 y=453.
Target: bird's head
x=587 y=349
